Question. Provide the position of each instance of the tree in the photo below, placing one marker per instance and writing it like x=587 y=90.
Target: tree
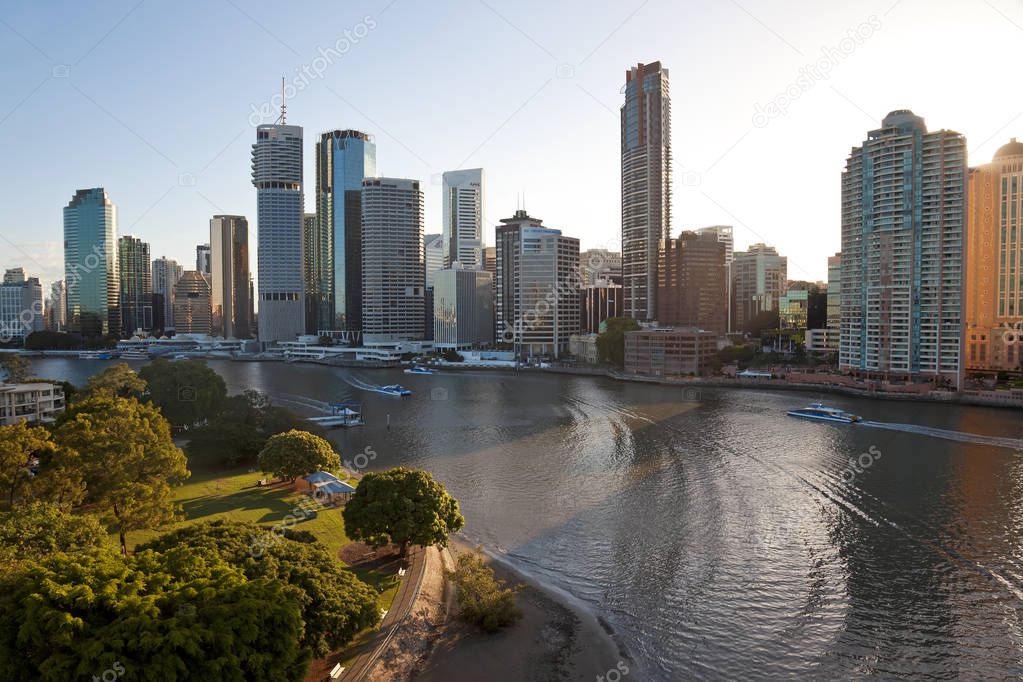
x=16 y=367
x=19 y=444
x=335 y=604
x=186 y=391
x=611 y=343
x=36 y=530
x=127 y=460
x=402 y=506
x=118 y=380
x=47 y=340
x=296 y=453
x=177 y=615
x=482 y=600
x=242 y=428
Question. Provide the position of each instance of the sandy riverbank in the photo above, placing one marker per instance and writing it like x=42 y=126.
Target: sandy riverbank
x=552 y=642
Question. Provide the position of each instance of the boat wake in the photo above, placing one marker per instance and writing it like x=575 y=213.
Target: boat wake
x=959 y=436
x=356 y=382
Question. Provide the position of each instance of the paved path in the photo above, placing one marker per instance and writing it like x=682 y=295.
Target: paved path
x=400 y=608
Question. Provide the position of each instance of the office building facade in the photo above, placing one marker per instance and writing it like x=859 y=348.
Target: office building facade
x=229 y=283
x=462 y=212
x=463 y=308
x=692 y=286
x=90 y=264
x=136 y=285
x=759 y=278
x=192 y=310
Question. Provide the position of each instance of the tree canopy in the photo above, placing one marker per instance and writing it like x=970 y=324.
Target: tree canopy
x=242 y=428
x=124 y=453
x=403 y=506
x=295 y=453
x=118 y=380
x=187 y=392
x=181 y=615
x=19 y=443
x=37 y=530
x=611 y=343
x=335 y=604
x=16 y=368
x=482 y=600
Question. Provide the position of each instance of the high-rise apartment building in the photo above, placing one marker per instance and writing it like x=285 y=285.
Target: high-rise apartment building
x=692 y=287
x=759 y=278
x=90 y=264
x=537 y=301
x=318 y=277
x=646 y=184
x=343 y=159
x=229 y=284
x=463 y=308
x=994 y=263
x=192 y=311
x=136 y=285
x=204 y=260
x=462 y=209
x=393 y=272
x=903 y=199
x=277 y=177
x=166 y=273
x=725 y=235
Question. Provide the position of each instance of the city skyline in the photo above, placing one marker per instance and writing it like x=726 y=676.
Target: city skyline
x=718 y=145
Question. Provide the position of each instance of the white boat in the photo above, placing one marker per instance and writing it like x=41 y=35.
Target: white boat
x=395 y=389
x=94 y=355
x=416 y=369
x=135 y=355
x=822 y=412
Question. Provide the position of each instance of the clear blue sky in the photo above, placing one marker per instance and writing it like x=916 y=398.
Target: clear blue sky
x=141 y=97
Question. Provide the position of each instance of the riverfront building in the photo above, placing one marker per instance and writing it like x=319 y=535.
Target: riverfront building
x=646 y=184
x=463 y=308
x=393 y=272
x=462 y=209
x=537 y=300
x=669 y=351
x=903 y=194
x=277 y=177
x=692 y=282
x=344 y=158
x=90 y=264
x=994 y=263
x=229 y=283
x=136 y=285
x=759 y=278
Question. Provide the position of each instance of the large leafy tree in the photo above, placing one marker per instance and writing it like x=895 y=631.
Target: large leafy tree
x=19 y=443
x=242 y=428
x=37 y=530
x=403 y=506
x=611 y=343
x=118 y=380
x=175 y=616
x=127 y=460
x=296 y=453
x=16 y=368
x=188 y=392
x=335 y=604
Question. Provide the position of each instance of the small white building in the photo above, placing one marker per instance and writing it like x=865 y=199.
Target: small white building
x=36 y=403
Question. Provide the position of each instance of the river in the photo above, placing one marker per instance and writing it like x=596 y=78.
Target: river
x=717 y=536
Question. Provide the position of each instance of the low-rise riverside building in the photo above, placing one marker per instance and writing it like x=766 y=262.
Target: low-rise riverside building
x=669 y=351
x=36 y=403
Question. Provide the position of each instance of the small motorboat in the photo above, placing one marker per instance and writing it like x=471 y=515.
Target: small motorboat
x=395 y=389
x=416 y=369
x=822 y=412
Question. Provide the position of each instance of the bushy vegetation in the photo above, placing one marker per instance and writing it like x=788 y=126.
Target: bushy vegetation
x=483 y=600
x=611 y=343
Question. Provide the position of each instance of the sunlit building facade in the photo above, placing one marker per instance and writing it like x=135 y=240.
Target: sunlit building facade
x=90 y=264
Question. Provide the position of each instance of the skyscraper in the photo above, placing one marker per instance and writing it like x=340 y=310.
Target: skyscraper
x=343 y=159
x=136 y=285
x=537 y=302
x=725 y=235
x=693 y=282
x=317 y=277
x=90 y=263
x=21 y=306
x=204 y=260
x=393 y=272
x=600 y=264
x=646 y=184
x=759 y=278
x=462 y=208
x=192 y=314
x=463 y=308
x=433 y=250
x=229 y=284
x=56 y=318
x=994 y=262
x=166 y=273
x=903 y=194
x=277 y=177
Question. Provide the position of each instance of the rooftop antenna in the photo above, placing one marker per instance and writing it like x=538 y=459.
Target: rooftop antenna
x=283 y=118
